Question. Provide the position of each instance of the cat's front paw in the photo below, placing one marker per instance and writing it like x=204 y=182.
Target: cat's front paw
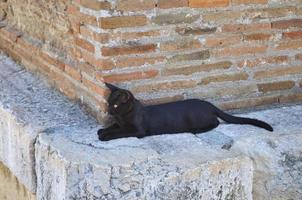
x=103 y=135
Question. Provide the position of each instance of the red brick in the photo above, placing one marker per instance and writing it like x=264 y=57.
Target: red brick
x=298 y=11
x=250 y=102
x=125 y=50
x=63 y=84
x=222 y=17
x=11 y=33
x=292 y=44
x=138 y=61
x=74 y=26
x=285 y=24
x=224 y=78
x=239 y=51
x=230 y=90
x=199 y=55
x=26 y=49
x=87 y=57
x=81 y=18
x=274 y=12
x=41 y=66
x=161 y=100
x=174 y=18
x=130 y=76
x=135 y=5
x=95 y=5
x=86 y=68
x=75 y=52
x=100 y=64
x=136 y=35
x=170 y=85
x=74 y=73
x=22 y=54
x=293 y=35
x=30 y=44
x=122 y=21
x=84 y=44
x=278 y=72
x=245 y=27
x=208 y=3
x=99 y=37
x=91 y=85
x=72 y=9
x=288 y=98
x=172 y=3
x=281 y=85
x=195 y=30
x=104 y=64
x=180 y=44
x=299 y=57
x=239 y=2
x=224 y=40
x=7 y=47
x=257 y=36
x=263 y=61
x=52 y=61
x=188 y=70
x=49 y=59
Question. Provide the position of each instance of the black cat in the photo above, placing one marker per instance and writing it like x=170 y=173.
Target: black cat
x=132 y=119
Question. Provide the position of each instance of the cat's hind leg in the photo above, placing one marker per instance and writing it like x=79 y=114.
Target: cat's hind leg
x=115 y=133
x=211 y=126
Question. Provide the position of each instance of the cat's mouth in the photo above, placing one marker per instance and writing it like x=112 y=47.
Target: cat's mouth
x=113 y=111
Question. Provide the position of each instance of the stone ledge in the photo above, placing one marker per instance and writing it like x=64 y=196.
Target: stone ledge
x=52 y=148
x=277 y=156
x=28 y=107
x=162 y=167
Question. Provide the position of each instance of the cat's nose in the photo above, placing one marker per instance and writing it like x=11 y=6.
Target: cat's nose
x=111 y=111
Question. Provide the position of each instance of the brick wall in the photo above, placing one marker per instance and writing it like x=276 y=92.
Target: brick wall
x=235 y=53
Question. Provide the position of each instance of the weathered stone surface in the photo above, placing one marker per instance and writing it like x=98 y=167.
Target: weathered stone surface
x=77 y=166
x=27 y=107
x=277 y=156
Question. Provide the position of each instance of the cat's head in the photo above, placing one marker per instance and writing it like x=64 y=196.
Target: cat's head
x=120 y=100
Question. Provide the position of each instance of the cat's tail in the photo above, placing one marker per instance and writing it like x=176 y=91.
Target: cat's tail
x=242 y=120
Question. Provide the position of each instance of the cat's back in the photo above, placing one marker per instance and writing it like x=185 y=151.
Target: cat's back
x=177 y=116
x=187 y=104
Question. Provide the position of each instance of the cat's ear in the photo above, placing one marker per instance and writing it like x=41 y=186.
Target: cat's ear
x=112 y=87
x=127 y=96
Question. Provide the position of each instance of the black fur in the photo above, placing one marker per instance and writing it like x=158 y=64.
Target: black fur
x=135 y=120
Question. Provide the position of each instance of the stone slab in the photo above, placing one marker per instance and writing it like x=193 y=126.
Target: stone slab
x=160 y=167
x=277 y=156
x=28 y=107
